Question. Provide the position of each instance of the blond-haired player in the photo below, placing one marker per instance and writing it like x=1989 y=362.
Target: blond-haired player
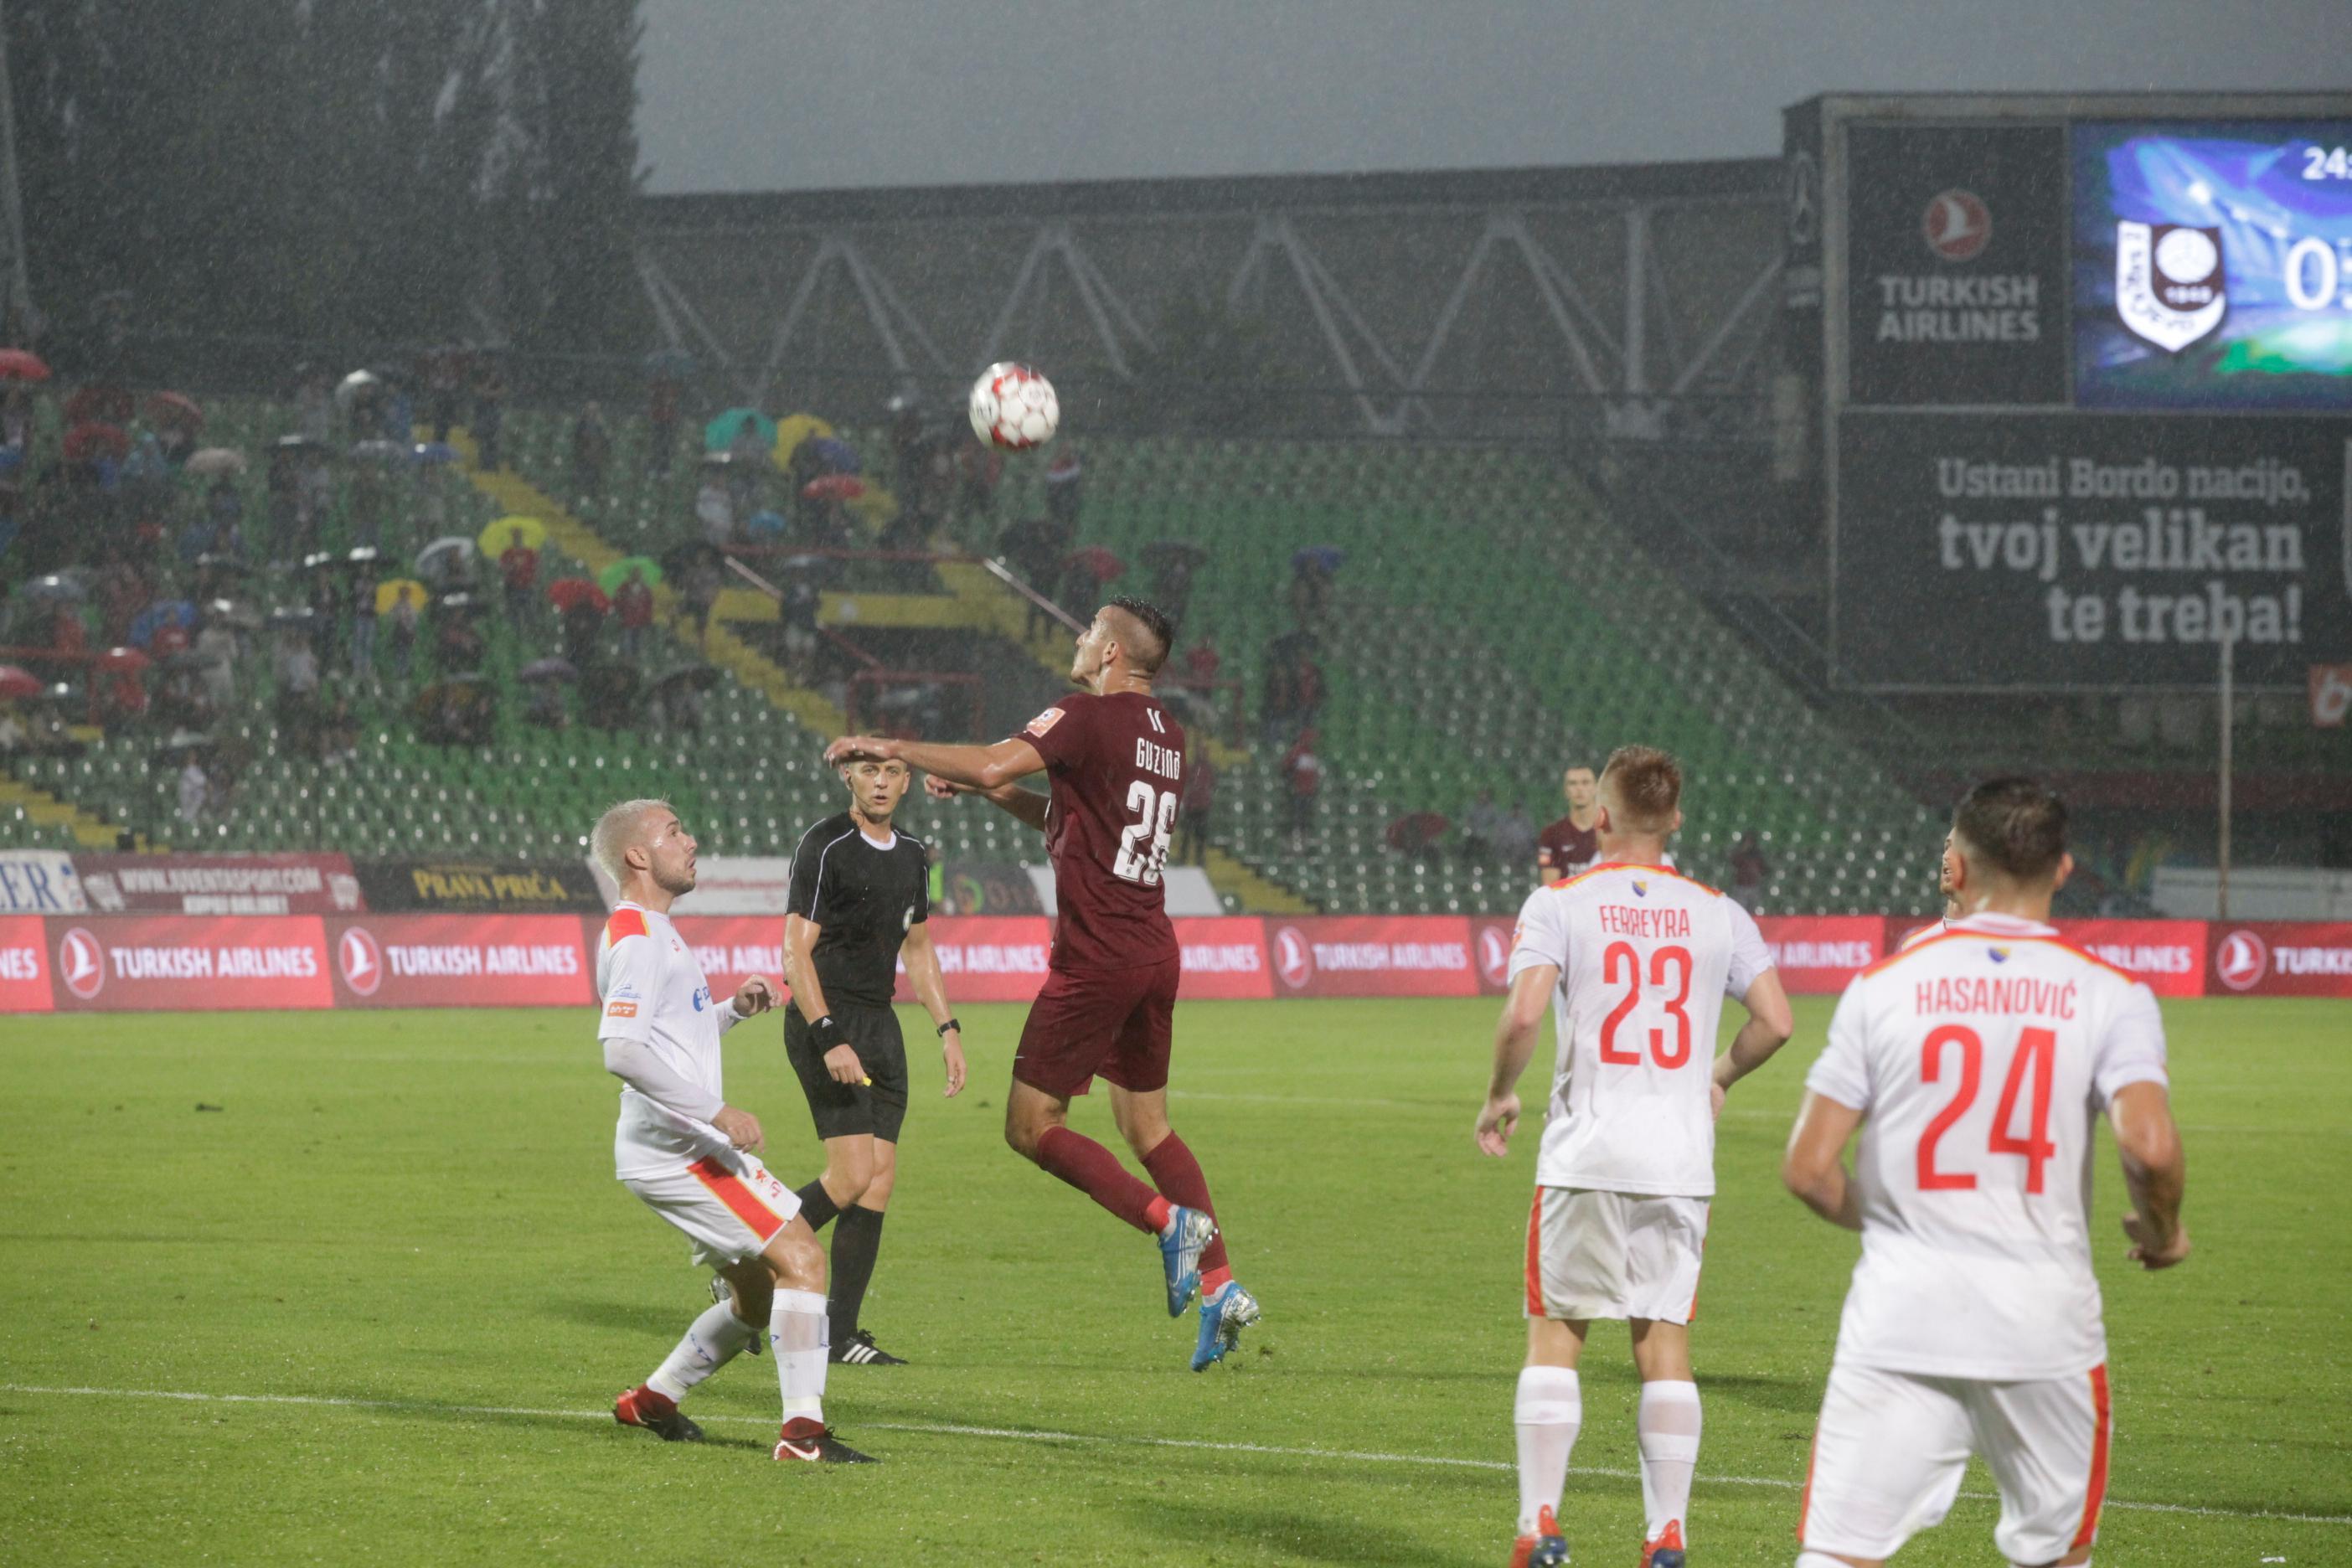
x=1635 y=960
x=691 y=1157
x=1974 y=1063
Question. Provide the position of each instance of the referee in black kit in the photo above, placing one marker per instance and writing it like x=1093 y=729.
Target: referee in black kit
x=860 y=900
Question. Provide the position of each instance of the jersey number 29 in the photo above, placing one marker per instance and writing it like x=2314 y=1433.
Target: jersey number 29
x=1143 y=846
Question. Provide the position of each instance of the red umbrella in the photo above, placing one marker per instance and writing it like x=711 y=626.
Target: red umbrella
x=1097 y=562
x=130 y=660
x=1419 y=831
x=834 y=486
x=176 y=409
x=16 y=681
x=84 y=442
x=98 y=404
x=566 y=592
x=22 y=364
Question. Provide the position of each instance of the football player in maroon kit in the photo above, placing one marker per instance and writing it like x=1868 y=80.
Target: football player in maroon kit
x=1113 y=757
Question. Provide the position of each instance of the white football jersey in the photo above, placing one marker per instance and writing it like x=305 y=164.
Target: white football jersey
x=650 y=988
x=1981 y=1057
x=1645 y=957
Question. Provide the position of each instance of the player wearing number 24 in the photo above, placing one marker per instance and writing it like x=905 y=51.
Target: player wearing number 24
x=1114 y=761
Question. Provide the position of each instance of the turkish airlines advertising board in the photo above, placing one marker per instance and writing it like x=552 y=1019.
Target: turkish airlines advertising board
x=2280 y=958
x=1372 y=955
x=153 y=962
x=462 y=961
x=24 y=965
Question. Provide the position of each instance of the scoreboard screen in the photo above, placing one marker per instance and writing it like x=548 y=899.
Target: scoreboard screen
x=2213 y=265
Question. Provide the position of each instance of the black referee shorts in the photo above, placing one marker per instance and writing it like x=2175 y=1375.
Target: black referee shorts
x=846 y=1110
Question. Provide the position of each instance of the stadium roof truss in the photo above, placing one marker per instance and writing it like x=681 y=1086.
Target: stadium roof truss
x=1622 y=290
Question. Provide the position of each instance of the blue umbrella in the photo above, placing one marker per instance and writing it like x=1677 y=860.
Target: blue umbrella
x=1329 y=558
x=436 y=452
x=764 y=524
x=158 y=615
x=838 y=457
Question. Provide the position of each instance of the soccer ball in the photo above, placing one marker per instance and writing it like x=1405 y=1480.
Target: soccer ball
x=1014 y=408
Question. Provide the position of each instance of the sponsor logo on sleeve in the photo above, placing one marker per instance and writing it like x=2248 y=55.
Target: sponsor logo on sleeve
x=620 y=1010
x=1045 y=721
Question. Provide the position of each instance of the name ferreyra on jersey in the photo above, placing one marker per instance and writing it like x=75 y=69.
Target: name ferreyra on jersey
x=1645 y=958
x=1980 y=1059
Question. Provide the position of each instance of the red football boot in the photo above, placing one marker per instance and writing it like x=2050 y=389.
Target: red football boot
x=1546 y=1548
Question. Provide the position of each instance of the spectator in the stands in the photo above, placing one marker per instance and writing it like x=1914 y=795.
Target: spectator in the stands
x=663 y=394
x=584 y=625
x=1481 y=826
x=519 y=568
x=544 y=707
x=979 y=469
x=592 y=449
x=16 y=416
x=714 y=509
x=403 y=617
x=1748 y=870
x=329 y=596
x=1064 y=492
x=1199 y=806
x=444 y=383
x=1515 y=836
x=363 y=626
x=298 y=688
x=701 y=596
x=314 y=404
x=339 y=729
x=1293 y=688
x=746 y=447
x=491 y=393
x=216 y=654
x=1302 y=771
x=193 y=786
x=633 y=607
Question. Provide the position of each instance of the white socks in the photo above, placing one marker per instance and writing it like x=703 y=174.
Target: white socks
x=717 y=1338
x=1820 y=1560
x=797 y=1331
x=1548 y=1411
x=1668 y=1425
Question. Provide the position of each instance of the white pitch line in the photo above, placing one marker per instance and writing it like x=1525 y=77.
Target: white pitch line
x=1031 y=1435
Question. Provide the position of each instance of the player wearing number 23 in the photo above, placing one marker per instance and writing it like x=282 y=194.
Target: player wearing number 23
x=1114 y=760
x=1974 y=1063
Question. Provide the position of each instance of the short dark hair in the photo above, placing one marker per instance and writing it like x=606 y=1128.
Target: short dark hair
x=1648 y=782
x=2014 y=825
x=1156 y=624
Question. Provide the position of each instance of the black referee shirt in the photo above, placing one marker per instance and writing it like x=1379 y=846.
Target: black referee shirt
x=865 y=898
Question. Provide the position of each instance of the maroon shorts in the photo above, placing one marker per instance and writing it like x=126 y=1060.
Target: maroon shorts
x=1113 y=1022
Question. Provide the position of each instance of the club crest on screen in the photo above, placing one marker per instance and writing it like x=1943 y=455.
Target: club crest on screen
x=2169 y=285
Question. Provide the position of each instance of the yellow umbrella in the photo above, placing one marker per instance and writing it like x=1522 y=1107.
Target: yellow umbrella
x=794 y=428
x=388 y=593
x=877 y=508
x=496 y=538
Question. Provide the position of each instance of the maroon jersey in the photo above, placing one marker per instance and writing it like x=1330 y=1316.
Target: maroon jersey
x=1116 y=764
x=1563 y=849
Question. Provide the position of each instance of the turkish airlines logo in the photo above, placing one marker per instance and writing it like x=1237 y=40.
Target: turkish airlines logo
x=1957 y=225
x=2241 y=961
x=1293 y=959
x=81 y=963
x=361 y=960
x=1494 y=955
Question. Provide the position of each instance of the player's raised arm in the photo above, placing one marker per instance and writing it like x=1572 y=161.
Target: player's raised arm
x=1025 y=805
x=981 y=768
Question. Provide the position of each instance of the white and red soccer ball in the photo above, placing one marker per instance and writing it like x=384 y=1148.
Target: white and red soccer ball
x=1014 y=407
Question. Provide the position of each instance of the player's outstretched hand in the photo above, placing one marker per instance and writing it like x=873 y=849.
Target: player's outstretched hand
x=1497 y=1121
x=939 y=788
x=2146 y=1253
x=952 y=1049
x=842 y=1063
x=755 y=996
x=742 y=1129
x=859 y=749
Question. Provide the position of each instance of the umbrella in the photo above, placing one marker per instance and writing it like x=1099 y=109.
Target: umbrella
x=764 y=524
x=298 y=441
x=318 y=558
x=717 y=460
x=98 y=404
x=160 y=613
x=387 y=593
x=443 y=556
x=292 y=615
x=215 y=460
x=611 y=578
x=380 y=451
x=363 y=555
x=16 y=683
x=1097 y=562
x=460 y=604
x=701 y=677
x=551 y=670
x=834 y=486
x=793 y=429
x=233 y=613
x=1325 y=558
x=566 y=592
x=214 y=561
x=672 y=362
x=722 y=432
x=352 y=385
x=837 y=456
x=84 y=442
x=22 y=364
x=495 y=539
x=176 y=409
x=129 y=661
x=56 y=585
x=436 y=452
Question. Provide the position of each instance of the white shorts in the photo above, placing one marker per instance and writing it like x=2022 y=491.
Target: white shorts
x=1890 y=1445
x=728 y=1204
x=1615 y=1255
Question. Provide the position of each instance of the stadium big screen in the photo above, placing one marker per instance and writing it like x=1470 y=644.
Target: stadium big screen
x=2083 y=370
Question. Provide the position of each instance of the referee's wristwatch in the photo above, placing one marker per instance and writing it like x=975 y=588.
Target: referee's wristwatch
x=955 y=1024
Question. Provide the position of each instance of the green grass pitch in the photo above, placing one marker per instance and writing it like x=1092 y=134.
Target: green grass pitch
x=397 y=1243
